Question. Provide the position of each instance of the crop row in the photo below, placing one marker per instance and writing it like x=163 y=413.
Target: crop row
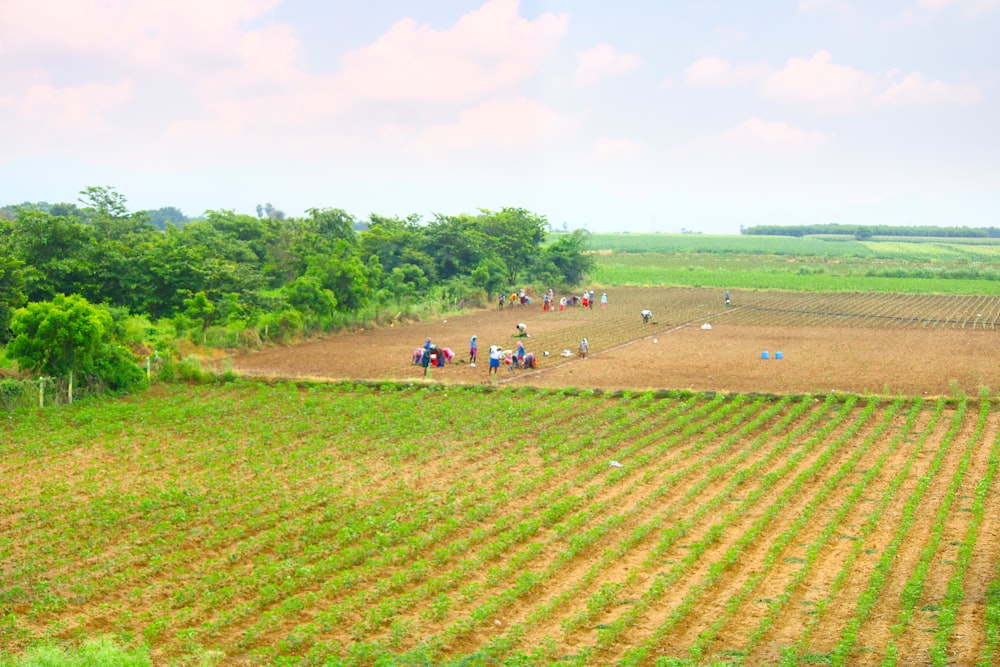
x=355 y=524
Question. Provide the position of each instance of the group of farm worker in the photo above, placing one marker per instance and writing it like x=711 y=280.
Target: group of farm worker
x=587 y=300
x=430 y=355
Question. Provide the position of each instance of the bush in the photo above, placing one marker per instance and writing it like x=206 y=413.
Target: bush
x=12 y=392
x=92 y=653
x=186 y=370
x=283 y=327
x=117 y=368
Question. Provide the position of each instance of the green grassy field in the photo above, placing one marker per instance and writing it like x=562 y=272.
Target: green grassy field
x=793 y=273
x=726 y=244
x=811 y=246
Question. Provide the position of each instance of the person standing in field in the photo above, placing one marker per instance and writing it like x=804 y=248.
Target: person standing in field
x=501 y=302
x=727 y=299
x=647 y=315
x=520 y=353
x=604 y=300
x=473 y=351
x=584 y=348
x=496 y=354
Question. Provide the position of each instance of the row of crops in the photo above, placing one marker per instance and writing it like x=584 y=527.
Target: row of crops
x=967 y=273
x=865 y=310
x=680 y=306
x=388 y=524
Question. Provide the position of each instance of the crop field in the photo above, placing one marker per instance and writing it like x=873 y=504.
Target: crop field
x=903 y=275
x=833 y=246
x=596 y=511
x=391 y=524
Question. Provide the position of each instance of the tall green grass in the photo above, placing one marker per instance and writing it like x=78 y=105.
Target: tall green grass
x=726 y=244
x=794 y=273
x=100 y=652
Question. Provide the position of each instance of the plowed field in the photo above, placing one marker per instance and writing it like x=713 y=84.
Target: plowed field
x=860 y=343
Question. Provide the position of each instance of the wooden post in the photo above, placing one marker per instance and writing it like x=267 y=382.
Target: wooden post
x=70 y=392
x=41 y=392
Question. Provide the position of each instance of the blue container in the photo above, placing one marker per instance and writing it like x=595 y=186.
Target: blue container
x=764 y=355
x=778 y=355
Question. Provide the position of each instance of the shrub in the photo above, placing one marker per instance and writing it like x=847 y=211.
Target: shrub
x=92 y=653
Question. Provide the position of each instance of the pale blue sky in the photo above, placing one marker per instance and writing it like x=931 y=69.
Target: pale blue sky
x=627 y=116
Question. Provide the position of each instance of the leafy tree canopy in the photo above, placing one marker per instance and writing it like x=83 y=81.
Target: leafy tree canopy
x=58 y=336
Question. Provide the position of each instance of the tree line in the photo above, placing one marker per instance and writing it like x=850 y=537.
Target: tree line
x=235 y=278
x=868 y=231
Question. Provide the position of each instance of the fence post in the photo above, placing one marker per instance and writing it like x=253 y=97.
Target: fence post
x=41 y=392
x=70 y=392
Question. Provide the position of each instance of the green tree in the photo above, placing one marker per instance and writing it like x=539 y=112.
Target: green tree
x=166 y=215
x=200 y=312
x=490 y=276
x=393 y=241
x=105 y=209
x=406 y=281
x=515 y=236
x=342 y=272
x=567 y=256
x=59 y=336
x=331 y=223
x=11 y=290
x=54 y=252
x=307 y=295
x=456 y=244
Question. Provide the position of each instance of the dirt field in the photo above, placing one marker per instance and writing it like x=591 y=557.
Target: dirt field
x=938 y=358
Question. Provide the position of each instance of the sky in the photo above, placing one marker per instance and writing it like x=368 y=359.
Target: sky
x=638 y=116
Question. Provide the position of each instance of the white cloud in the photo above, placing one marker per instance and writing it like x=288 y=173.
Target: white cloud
x=603 y=61
x=769 y=134
x=717 y=71
x=74 y=108
x=510 y=126
x=752 y=142
x=238 y=88
x=818 y=80
x=806 y=6
x=487 y=50
x=916 y=89
x=617 y=148
x=969 y=7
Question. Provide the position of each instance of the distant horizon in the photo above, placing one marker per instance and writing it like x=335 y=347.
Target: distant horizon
x=553 y=227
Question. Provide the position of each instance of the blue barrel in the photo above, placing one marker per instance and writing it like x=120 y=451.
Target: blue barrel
x=778 y=355
x=764 y=355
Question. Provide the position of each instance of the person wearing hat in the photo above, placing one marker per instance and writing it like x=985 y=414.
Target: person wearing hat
x=473 y=350
x=425 y=361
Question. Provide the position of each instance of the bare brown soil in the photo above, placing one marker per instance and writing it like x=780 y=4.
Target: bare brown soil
x=624 y=354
